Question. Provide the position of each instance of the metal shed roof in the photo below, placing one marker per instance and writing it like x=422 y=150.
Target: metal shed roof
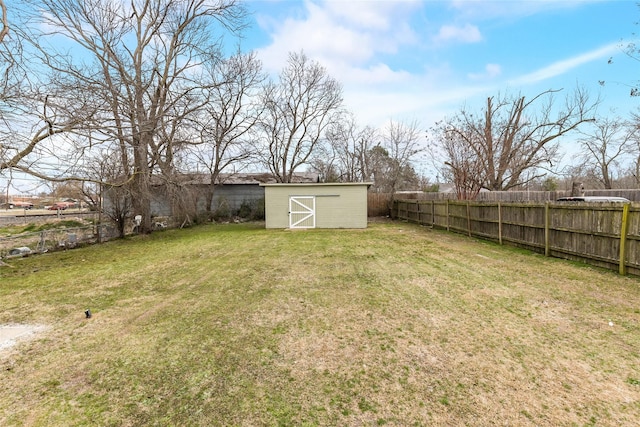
x=315 y=184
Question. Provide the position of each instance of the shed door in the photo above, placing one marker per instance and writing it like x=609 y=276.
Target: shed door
x=302 y=212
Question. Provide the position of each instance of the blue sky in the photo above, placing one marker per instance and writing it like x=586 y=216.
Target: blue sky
x=422 y=60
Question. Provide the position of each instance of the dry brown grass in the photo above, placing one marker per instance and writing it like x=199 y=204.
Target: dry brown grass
x=393 y=325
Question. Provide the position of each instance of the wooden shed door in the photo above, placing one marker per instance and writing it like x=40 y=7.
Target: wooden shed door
x=302 y=212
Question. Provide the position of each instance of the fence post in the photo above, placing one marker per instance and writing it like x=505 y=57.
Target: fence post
x=500 y=222
x=468 y=218
x=42 y=244
x=547 y=222
x=623 y=238
x=433 y=213
x=447 y=213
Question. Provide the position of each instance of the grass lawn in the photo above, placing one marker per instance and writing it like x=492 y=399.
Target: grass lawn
x=235 y=325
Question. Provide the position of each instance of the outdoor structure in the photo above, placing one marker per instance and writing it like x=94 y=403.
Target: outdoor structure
x=320 y=205
x=230 y=193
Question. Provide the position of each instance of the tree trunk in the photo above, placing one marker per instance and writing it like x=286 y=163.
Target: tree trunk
x=577 y=190
x=140 y=188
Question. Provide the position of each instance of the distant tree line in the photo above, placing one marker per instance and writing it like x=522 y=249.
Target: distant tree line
x=123 y=95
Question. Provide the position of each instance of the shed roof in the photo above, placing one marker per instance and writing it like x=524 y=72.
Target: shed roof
x=315 y=184
x=235 y=178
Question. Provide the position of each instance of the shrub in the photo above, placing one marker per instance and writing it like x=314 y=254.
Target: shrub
x=222 y=211
x=252 y=209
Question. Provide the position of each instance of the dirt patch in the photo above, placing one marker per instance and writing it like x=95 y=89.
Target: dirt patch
x=11 y=334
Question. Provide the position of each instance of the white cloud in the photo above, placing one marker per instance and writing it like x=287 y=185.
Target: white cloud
x=466 y=34
x=510 y=9
x=426 y=104
x=352 y=40
x=490 y=71
x=339 y=34
x=319 y=36
x=391 y=70
x=371 y=15
x=564 y=66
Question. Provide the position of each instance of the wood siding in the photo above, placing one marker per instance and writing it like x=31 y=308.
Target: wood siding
x=337 y=205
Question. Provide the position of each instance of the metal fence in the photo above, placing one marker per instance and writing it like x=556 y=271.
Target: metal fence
x=602 y=234
x=23 y=216
x=54 y=240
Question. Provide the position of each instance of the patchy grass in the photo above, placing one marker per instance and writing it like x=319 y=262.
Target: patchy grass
x=393 y=325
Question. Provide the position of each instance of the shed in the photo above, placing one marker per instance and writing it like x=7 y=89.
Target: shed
x=319 y=205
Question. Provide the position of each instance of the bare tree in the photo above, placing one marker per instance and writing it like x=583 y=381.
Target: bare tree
x=402 y=142
x=366 y=154
x=13 y=84
x=42 y=133
x=604 y=147
x=4 y=29
x=40 y=123
x=351 y=146
x=462 y=167
x=324 y=162
x=634 y=168
x=511 y=139
x=138 y=59
x=578 y=177
x=113 y=199
x=224 y=125
x=298 y=110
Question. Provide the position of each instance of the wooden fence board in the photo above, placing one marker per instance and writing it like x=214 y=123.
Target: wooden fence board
x=586 y=232
x=378 y=204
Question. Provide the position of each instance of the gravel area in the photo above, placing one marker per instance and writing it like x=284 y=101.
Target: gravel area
x=11 y=334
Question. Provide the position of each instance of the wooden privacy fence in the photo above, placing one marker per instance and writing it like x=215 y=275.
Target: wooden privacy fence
x=602 y=234
x=378 y=204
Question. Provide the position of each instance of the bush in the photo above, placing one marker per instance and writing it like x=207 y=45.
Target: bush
x=252 y=209
x=245 y=210
x=258 y=209
x=222 y=211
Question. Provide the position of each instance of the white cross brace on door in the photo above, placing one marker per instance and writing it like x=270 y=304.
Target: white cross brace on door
x=302 y=212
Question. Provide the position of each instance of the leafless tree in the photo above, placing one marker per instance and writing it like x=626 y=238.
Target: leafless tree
x=12 y=84
x=462 y=167
x=324 y=163
x=4 y=30
x=114 y=200
x=42 y=132
x=298 y=110
x=383 y=156
x=138 y=59
x=403 y=142
x=604 y=147
x=351 y=146
x=512 y=139
x=41 y=124
x=634 y=168
x=224 y=125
